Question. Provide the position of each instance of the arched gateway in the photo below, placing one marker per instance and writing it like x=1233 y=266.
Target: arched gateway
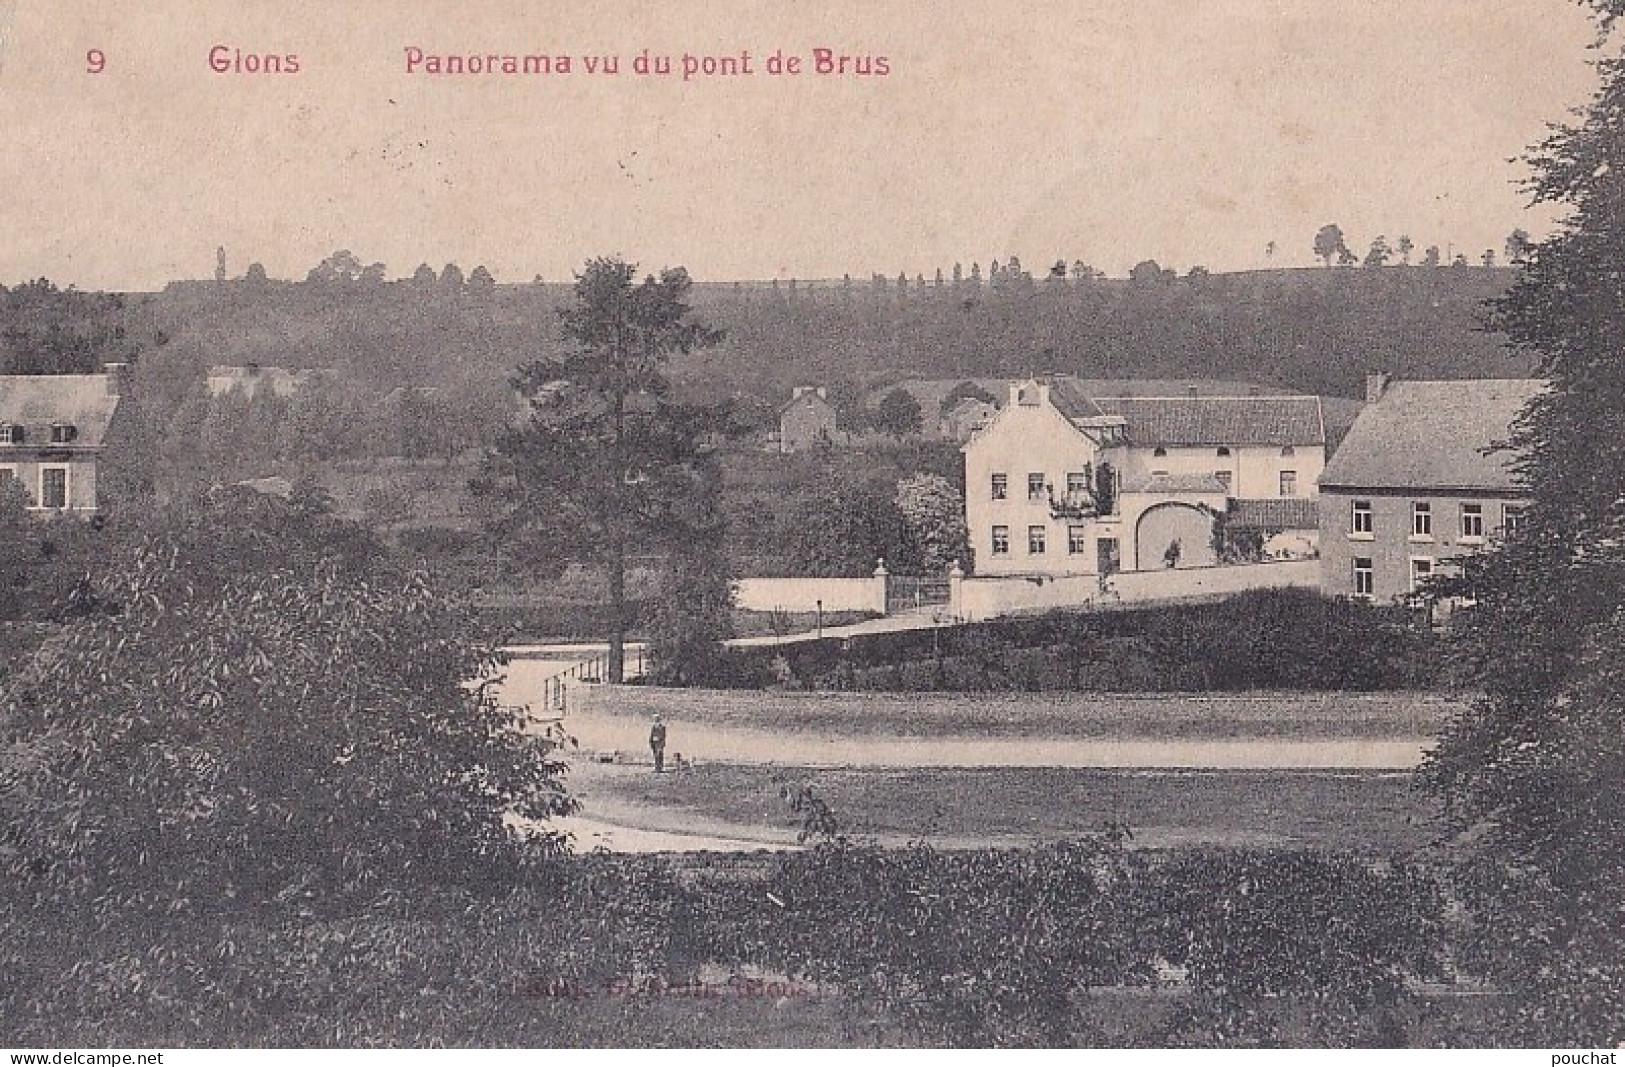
x=1165 y=525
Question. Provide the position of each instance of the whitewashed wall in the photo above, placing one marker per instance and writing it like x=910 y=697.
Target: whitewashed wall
x=988 y=597
x=803 y=594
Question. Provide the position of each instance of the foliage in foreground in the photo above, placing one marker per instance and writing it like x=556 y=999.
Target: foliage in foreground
x=1530 y=775
x=248 y=705
x=1079 y=943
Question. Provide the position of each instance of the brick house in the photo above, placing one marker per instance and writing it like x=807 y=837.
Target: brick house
x=1069 y=479
x=965 y=418
x=1415 y=483
x=53 y=428
x=807 y=420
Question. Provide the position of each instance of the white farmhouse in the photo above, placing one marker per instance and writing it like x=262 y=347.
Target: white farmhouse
x=1071 y=480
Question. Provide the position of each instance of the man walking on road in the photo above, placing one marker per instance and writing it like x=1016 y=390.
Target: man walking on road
x=657 y=743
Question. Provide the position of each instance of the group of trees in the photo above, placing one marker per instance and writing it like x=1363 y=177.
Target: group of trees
x=249 y=701
x=213 y=438
x=1300 y=330
x=1331 y=245
x=48 y=330
x=610 y=463
x=345 y=268
x=1531 y=774
x=834 y=515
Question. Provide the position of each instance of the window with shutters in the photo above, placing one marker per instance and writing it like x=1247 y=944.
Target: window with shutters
x=53 y=487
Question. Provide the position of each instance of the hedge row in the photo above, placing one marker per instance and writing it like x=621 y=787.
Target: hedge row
x=992 y=947
x=1269 y=639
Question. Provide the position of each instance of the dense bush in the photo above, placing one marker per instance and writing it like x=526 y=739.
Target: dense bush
x=250 y=702
x=1080 y=943
x=1269 y=639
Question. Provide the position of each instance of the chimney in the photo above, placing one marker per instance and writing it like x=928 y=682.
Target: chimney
x=822 y=393
x=118 y=378
x=1190 y=391
x=1376 y=384
x=797 y=391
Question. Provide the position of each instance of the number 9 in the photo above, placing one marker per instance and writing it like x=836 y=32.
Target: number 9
x=95 y=61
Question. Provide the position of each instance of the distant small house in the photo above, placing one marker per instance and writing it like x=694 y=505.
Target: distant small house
x=968 y=415
x=408 y=394
x=807 y=420
x=251 y=379
x=1418 y=482
x=53 y=428
x=1274 y=527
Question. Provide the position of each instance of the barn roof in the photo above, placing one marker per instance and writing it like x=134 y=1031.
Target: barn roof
x=36 y=401
x=1219 y=420
x=1434 y=435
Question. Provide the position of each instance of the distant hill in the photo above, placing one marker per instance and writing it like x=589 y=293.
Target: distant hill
x=1306 y=330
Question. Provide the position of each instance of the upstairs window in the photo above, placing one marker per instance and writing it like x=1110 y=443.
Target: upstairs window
x=1223 y=478
x=1223 y=451
x=1001 y=540
x=1159 y=452
x=1361 y=523
x=1511 y=518
x=1472 y=522
x=1035 y=487
x=1289 y=483
x=63 y=433
x=1000 y=486
x=1035 y=540
x=11 y=434
x=1077 y=482
x=1422 y=519
x=1287 y=452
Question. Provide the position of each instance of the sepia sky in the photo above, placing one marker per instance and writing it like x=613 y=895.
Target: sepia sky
x=1188 y=131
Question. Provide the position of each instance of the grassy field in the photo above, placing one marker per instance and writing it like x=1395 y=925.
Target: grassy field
x=1040 y=715
x=957 y=807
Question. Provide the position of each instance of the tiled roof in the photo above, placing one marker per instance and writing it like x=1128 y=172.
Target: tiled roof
x=35 y=401
x=1274 y=513
x=805 y=400
x=1219 y=420
x=1433 y=435
x=969 y=405
x=930 y=392
x=1070 y=399
x=1179 y=483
